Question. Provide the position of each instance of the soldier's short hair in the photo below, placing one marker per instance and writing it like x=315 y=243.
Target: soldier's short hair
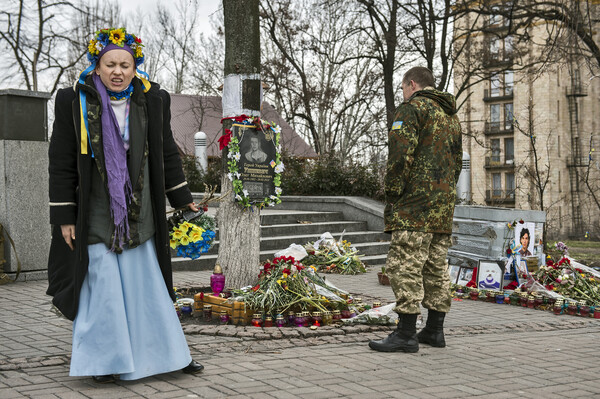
x=420 y=75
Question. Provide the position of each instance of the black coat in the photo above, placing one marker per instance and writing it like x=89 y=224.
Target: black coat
x=70 y=176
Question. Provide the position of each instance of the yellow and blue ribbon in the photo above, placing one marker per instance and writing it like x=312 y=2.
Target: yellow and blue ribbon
x=85 y=133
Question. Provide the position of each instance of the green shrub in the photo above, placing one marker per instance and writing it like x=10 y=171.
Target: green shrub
x=326 y=175
x=196 y=179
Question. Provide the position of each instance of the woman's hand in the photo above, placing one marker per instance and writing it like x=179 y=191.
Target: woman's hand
x=68 y=233
x=192 y=207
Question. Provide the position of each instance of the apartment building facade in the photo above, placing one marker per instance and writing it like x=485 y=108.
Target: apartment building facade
x=530 y=122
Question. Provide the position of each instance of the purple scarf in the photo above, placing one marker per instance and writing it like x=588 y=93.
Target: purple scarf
x=117 y=174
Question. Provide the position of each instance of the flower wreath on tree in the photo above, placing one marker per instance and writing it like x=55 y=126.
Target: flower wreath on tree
x=233 y=154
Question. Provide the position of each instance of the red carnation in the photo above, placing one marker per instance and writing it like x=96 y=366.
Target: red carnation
x=256 y=287
x=225 y=139
x=138 y=40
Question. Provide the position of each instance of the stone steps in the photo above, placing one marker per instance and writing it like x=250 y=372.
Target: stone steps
x=280 y=229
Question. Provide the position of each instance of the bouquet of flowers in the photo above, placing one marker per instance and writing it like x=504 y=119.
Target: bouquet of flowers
x=569 y=281
x=332 y=256
x=285 y=284
x=191 y=233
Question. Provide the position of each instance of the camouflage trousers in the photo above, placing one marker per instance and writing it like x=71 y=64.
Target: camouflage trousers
x=418 y=271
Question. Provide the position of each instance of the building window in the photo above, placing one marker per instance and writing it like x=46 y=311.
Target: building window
x=496 y=185
x=508 y=82
x=495 y=85
x=558 y=145
x=509 y=151
x=495 y=146
x=508 y=116
x=495 y=114
x=494 y=48
x=510 y=185
x=508 y=46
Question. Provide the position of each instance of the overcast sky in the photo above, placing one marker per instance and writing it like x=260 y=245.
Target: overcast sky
x=207 y=7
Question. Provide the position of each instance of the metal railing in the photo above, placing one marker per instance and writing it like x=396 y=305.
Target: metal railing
x=498 y=127
x=500 y=195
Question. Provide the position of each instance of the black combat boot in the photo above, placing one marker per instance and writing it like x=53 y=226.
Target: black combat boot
x=402 y=339
x=433 y=333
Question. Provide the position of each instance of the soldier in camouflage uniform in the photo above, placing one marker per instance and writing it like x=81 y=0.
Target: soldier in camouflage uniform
x=424 y=162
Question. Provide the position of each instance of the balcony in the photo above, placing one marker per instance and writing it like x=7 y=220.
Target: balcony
x=496 y=162
x=495 y=128
x=500 y=197
x=507 y=95
x=497 y=59
x=576 y=90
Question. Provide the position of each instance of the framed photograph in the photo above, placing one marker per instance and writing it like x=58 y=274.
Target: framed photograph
x=490 y=275
x=525 y=236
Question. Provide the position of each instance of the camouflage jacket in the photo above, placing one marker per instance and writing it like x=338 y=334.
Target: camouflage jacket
x=424 y=162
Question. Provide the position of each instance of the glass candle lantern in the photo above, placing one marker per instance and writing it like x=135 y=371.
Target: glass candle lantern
x=345 y=314
x=186 y=309
x=558 y=307
x=572 y=308
x=207 y=312
x=224 y=317
x=317 y=319
x=474 y=294
x=217 y=280
x=376 y=304
x=291 y=318
x=307 y=319
x=499 y=297
x=507 y=299
x=256 y=320
x=539 y=300
x=177 y=309
x=524 y=300
x=299 y=320
x=268 y=322
x=597 y=312
x=531 y=302
x=584 y=309
x=327 y=317
x=337 y=315
x=279 y=320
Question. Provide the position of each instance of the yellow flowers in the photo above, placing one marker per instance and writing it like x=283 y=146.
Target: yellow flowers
x=185 y=233
x=117 y=36
x=138 y=52
x=92 y=47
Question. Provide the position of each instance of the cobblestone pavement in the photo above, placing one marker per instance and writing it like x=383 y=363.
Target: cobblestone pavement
x=494 y=351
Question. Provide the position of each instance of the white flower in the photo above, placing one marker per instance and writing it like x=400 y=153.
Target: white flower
x=274 y=198
x=229 y=154
x=279 y=148
x=237 y=197
x=277 y=129
x=278 y=190
x=237 y=156
x=237 y=175
x=245 y=192
x=271 y=204
x=230 y=176
x=99 y=46
x=279 y=168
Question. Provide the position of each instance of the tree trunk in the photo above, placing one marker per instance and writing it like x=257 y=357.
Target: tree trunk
x=239 y=229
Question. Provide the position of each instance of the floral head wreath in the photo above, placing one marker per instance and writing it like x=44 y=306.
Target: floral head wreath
x=105 y=40
x=111 y=38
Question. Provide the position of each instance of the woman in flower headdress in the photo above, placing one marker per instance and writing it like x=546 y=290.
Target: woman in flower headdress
x=112 y=160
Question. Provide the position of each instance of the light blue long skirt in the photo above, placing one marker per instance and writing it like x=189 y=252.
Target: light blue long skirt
x=126 y=323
